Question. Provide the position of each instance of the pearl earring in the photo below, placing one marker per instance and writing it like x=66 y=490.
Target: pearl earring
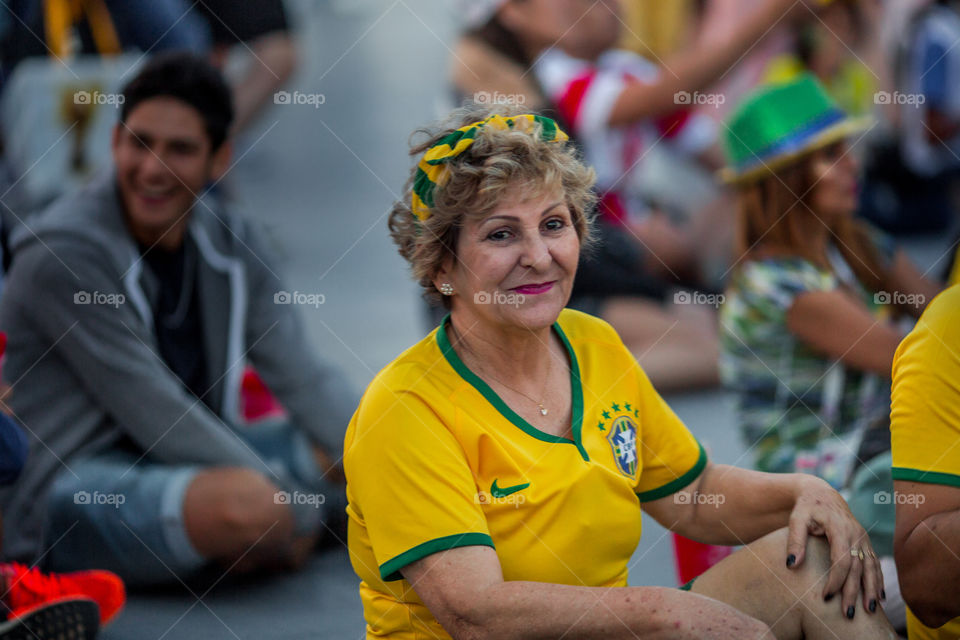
x=446 y=289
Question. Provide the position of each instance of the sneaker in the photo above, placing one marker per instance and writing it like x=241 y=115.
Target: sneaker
x=72 y=618
x=28 y=587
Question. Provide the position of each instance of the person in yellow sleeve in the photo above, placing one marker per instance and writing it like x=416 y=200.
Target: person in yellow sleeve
x=496 y=470
x=925 y=437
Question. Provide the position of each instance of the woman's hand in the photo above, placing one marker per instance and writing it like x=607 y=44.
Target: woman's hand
x=821 y=511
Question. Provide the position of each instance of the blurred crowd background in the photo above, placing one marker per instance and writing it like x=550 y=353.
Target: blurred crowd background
x=891 y=60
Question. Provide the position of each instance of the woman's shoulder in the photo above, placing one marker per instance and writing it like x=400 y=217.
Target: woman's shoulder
x=766 y=287
x=413 y=370
x=578 y=326
x=940 y=316
x=410 y=390
x=784 y=271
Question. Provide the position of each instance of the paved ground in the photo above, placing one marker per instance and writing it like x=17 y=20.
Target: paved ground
x=323 y=180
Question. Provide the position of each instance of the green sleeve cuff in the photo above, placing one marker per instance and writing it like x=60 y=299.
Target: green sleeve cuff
x=675 y=485
x=390 y=570
x=928 y=477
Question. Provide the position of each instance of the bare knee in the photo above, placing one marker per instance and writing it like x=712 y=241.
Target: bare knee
x=250 y=507
x=801 y=592
x=813 y=568
x=229 y=510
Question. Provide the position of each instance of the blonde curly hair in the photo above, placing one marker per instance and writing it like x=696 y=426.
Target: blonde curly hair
x=476 y=182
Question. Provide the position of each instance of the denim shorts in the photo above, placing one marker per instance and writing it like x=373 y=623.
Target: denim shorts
x=115 y=513
x=118 y=512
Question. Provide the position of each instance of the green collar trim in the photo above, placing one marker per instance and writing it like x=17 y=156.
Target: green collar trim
x=576 y=387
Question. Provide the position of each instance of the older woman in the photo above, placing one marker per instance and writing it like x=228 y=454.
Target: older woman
x=496 y=470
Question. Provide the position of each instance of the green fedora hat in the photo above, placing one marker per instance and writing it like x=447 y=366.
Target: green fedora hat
x=779 y=123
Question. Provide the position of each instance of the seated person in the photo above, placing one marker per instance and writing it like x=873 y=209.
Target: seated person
x=136 y=304
x=925 y=422
x=496 y=470
x=809 y=323
x=808 y=332
x=36 y=604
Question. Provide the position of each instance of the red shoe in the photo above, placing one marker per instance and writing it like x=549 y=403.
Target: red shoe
x=69 y=617
x=26 y=588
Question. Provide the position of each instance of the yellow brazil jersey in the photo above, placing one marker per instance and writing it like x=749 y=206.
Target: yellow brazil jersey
x=925 y=413
x=435 y=460
x=954 y=276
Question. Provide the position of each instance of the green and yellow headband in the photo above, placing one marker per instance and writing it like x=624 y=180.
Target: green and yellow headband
x=432 y=170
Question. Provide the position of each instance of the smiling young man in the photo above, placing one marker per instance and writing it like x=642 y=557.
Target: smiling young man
x=137 y=303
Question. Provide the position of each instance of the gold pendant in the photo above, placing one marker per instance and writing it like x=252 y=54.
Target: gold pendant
x=543 y=411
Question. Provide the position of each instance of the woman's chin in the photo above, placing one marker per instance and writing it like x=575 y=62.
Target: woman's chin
x=534 y=314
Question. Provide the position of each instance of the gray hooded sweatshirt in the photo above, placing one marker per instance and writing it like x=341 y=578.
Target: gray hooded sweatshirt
x=87 y=374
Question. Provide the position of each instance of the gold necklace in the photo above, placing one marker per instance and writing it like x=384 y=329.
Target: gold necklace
x=543 y=410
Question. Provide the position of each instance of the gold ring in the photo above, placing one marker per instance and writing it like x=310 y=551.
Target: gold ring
x=857 y=553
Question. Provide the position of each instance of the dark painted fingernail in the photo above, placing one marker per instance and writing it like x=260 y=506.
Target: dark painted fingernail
x=791 y=560
x=828 y=597
x=873 y=606
x=883 y=594
x=850 y=611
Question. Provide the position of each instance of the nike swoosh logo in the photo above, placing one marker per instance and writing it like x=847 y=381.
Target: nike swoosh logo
x=497 y=492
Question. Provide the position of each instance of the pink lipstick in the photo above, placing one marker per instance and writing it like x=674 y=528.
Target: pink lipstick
x=535 y=289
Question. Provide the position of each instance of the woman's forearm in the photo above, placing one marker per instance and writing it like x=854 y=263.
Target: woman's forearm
x=534 y=610
x=714 y=58
x=697 y=69
x=737 y=506
x=929 y=566
x=465 y=591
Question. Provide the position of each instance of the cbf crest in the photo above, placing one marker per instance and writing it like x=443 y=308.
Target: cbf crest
x=622 y=436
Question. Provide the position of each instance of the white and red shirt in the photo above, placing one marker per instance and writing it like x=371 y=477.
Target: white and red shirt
x=585 y=93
